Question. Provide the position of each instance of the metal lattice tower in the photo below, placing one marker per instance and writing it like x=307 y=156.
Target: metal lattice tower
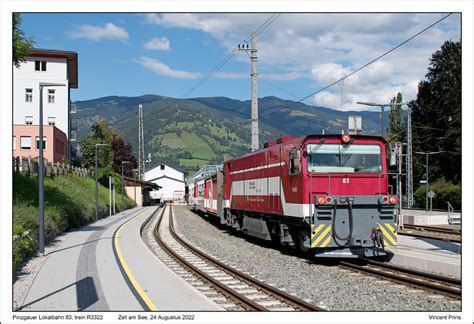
x=254 y=114
x=409 y=162
x=141 y=144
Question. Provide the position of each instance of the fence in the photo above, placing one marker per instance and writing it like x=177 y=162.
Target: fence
x=30 y=166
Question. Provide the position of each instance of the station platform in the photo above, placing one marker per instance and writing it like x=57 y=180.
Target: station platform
x=106 y=266
x=430 y=255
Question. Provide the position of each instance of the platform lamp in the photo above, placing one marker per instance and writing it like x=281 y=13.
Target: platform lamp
x=123 y=162
x=41 y=162
x=97 y=180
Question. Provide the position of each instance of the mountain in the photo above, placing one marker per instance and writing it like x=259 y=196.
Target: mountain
x=193 y=132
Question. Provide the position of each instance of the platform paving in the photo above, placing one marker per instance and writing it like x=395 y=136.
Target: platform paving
x=428 y=255
x=83 y=273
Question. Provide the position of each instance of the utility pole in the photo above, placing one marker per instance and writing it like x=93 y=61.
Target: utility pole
x=254 y=102
x=409 y=162
x=141 y=144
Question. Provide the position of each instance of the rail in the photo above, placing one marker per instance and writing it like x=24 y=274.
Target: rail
x=434 y=283
x=227 y=291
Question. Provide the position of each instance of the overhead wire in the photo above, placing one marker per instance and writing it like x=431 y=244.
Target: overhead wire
x=360 y=68
x=224 y=61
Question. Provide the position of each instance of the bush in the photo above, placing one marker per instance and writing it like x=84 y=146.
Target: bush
x=445 y=192
x=69 y=203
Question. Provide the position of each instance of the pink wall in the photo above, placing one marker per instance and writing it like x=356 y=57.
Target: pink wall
x=56 y=142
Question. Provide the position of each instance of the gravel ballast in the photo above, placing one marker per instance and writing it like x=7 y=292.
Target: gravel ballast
x=326 y=286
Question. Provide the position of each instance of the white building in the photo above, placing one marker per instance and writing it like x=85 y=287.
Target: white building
x=171 y=181
x=52 y=66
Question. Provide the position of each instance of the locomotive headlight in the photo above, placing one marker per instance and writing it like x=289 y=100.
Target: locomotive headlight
x=345 y=138
x=383 y=200
x=393 y=200
x=321 y=200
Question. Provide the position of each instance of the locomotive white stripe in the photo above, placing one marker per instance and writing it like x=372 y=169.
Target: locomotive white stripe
x=259 y=167
x=269 y=187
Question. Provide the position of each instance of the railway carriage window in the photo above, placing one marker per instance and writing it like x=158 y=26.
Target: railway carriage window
x=295 y=161
x=355 y=158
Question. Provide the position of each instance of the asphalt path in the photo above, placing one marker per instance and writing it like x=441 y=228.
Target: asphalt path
x=106 y=266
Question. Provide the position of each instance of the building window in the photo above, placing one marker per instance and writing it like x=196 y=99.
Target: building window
x=51 y=95
x=29 y=95
x=51 y=121
x=40 y=65
x=25 y=142
x=38 y=142
x=162 y=167
x=29 y=120
x=14 y=143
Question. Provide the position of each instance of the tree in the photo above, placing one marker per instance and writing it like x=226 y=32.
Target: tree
x=123 y=152
x=396 y=128
x=21 y=44
x=437 y=116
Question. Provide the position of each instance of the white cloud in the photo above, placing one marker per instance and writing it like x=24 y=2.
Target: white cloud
x=96 y=33
x=329 y=46
x=161 y=44
x=163 y=69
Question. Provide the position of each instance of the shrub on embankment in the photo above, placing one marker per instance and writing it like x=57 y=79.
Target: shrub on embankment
x=445 y=192
x=69 y=203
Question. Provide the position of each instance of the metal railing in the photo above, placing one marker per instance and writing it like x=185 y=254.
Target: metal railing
x=451 y=218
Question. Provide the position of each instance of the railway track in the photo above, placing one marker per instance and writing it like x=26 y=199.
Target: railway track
x=437 y=284
x=431 y=232
x=240 y=288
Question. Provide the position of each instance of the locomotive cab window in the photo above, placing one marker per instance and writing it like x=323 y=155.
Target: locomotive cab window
x=295 y=161
x=349 y=158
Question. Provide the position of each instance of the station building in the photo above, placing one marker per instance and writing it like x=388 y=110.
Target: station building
x=59 y=114
x=171 y=182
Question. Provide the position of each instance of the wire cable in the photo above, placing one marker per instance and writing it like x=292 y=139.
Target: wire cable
x=360 y=68
x=224 y=61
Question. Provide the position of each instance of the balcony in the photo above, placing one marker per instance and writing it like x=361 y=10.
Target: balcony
x=73 y=138
x=73 y=124
x=73 y=110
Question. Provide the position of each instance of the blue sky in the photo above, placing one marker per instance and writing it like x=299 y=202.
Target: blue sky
x=167 y=54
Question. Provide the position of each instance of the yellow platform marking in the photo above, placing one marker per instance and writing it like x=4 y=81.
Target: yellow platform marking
x=130 y=276
x=323 y=234
x=388 y=236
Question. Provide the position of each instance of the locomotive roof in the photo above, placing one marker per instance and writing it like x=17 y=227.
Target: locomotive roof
x=309 y=137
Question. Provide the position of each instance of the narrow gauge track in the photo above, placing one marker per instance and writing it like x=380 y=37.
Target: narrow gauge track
x=430 y=232
x=433 y=229
x=437 y=284
x=257 y=296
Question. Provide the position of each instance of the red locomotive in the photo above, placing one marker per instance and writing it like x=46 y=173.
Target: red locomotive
x=325 y=193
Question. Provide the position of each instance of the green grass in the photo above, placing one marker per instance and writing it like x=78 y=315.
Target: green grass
x=69 y=203
x=192 y=162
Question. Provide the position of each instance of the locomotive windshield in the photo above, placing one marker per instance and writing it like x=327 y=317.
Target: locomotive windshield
x=355 y=158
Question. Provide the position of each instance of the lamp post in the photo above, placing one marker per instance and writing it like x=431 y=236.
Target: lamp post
x=97 y=180
x=123 y=162
x=427 y=174
x=41 y=163
x=382 y=108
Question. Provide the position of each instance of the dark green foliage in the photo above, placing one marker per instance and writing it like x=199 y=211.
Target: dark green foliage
x=437 y=116
x=21 y=44
x=397 y=128
x=69 y=203
x=444 y=192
